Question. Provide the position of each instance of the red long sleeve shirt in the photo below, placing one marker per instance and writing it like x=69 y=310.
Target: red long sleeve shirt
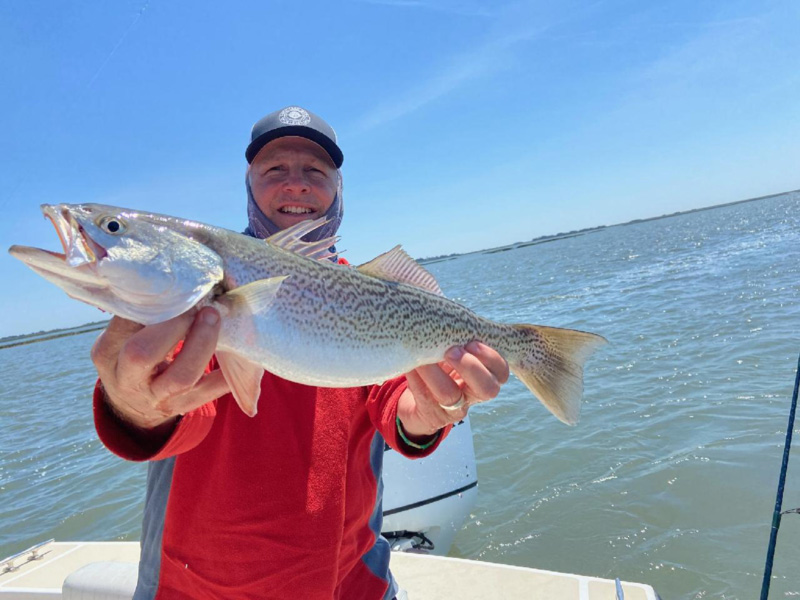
x=283 y=505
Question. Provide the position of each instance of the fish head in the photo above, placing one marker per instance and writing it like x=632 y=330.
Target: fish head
x=136 y=265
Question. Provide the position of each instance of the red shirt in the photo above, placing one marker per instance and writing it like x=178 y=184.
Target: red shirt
x=282 y=505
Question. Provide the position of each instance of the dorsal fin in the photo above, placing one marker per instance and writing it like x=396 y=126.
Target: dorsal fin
x=396 y=265
x=290 y=239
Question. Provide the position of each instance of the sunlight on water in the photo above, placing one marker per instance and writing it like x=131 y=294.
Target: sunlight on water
x=670 y=477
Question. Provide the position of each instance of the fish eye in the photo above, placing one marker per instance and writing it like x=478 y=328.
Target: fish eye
x=112 y=225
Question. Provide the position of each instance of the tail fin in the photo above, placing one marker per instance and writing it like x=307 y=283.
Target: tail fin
x=550 y=363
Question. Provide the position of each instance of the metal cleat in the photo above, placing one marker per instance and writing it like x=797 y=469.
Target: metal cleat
x=12 y=563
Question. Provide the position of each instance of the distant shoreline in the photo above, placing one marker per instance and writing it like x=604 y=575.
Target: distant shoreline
x=560 y=236
x=41 y=336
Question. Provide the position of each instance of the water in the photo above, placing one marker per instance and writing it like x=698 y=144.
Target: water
x=670 y=477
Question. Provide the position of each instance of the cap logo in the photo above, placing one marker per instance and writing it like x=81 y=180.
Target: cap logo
x=294 y=115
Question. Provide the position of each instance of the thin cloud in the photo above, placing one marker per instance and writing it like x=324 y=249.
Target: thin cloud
x=459 y=8
x=516 y=25
x=491 y=57
x=717 y=50
x=730 y=64
x=118 y=44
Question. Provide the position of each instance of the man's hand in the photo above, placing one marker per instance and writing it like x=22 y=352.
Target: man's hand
x=141 y=386
x=468 y=375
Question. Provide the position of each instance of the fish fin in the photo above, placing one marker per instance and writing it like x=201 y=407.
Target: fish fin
x=550 y=363
x=239 y=305
x=244 y=379
x=396 y=265
x=254 y=297
x=291 y=239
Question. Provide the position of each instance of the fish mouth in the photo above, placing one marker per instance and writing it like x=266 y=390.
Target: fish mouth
x=79 y=248
x=75 y=266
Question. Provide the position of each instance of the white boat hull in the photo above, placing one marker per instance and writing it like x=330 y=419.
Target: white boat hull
x=432 y=496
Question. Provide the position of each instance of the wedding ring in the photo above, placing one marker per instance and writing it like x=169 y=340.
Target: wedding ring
x=454 y=407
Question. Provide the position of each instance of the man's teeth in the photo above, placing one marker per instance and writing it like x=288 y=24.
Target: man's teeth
x=297 y=210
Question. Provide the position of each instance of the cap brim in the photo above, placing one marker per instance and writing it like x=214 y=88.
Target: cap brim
x=295 y=130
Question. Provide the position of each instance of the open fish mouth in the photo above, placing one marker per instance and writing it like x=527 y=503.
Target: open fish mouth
x=80 y=252
x=79 y=248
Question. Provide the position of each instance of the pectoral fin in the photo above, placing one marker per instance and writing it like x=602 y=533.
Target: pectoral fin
x=241 y=305
x=254 y=297
x=244 y=379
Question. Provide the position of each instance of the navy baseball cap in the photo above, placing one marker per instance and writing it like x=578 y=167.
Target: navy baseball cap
x=294 y=121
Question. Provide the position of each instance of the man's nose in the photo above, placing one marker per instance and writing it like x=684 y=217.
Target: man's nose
x=297 y=182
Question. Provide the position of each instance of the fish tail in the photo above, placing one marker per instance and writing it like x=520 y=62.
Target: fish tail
x=549 y=361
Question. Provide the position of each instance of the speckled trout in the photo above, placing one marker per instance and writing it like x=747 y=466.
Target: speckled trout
x=287 y=308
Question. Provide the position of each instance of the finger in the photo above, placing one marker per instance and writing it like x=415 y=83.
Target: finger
x=480 y=383
x=491 y=358
x=191 y=362
x=447 y=369
x=208 y=388
x=415 y=383
x=148 y=347
x=107 y=346
x=422 y=395
x=428 y=409
x=442 y=388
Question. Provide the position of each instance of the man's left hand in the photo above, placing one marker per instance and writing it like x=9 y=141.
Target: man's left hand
x=468 y=375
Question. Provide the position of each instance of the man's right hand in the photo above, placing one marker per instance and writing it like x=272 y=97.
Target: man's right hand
x=141 y=386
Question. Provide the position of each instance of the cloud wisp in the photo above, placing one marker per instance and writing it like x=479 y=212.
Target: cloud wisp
x=492 y=56
x=514 y=26
x=468 y=9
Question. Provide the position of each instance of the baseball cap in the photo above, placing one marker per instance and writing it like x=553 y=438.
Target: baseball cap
x=294 y=121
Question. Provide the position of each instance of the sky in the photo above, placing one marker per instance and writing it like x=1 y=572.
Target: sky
x=464 y=124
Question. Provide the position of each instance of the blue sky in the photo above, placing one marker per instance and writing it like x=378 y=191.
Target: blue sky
x=465 y=125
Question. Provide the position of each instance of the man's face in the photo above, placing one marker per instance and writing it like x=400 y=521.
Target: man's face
x=292 y=180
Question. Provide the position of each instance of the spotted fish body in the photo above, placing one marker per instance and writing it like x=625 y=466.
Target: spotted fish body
x=287 y=309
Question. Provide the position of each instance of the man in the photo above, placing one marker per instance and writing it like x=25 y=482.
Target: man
x=286 y=504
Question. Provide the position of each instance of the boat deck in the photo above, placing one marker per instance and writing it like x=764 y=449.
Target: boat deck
x=424 y=577
x=42 y=578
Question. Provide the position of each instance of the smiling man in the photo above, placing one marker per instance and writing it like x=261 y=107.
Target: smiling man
x=293 y=173
x=286 y=504
x=293 y=179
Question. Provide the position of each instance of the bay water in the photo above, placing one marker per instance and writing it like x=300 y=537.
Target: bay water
x=670 y=476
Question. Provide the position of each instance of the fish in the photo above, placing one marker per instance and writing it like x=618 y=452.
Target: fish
x=288 y=309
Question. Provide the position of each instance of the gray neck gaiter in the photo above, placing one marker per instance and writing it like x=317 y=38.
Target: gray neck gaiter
x=261 y=226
